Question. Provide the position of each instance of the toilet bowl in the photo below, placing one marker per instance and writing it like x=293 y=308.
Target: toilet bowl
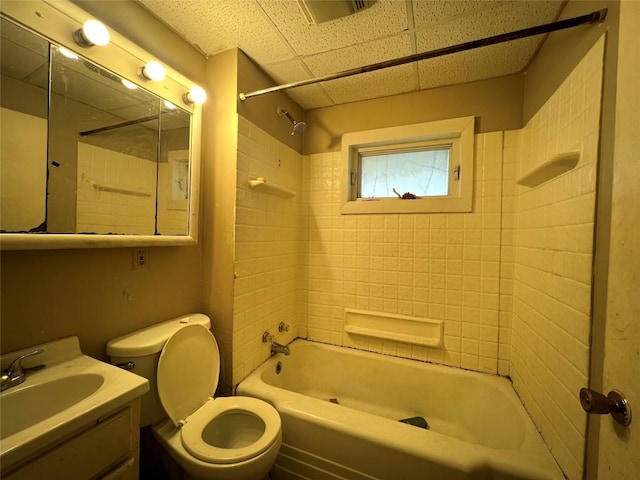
x=210 y=438
x=256 y=466
x=231 y=435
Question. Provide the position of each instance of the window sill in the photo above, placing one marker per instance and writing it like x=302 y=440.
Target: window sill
x=396 y=205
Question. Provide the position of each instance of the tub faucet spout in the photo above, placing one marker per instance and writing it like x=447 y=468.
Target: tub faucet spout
x=277 y=348
x=15 y=373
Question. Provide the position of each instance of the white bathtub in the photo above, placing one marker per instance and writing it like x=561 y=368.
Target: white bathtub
x=478 y=427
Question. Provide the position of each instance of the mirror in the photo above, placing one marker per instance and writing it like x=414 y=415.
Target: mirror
x=23 y=131
x=88 y=152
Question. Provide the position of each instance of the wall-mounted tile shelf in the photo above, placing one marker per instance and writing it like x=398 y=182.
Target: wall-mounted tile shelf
x=398 y=328
x=555 y=166
x=122 y=191
x=260 y=184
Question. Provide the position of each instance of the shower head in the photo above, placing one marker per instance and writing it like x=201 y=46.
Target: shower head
x=298 y=127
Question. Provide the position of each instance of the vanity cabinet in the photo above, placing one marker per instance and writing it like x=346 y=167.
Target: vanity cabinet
x=105 y=449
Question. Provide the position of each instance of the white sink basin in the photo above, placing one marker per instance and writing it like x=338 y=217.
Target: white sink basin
x=25 y=407
x=72 y=391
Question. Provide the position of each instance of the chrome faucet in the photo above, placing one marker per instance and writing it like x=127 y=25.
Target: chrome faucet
x=15 y=373
x=277 y=348
x=267 y=337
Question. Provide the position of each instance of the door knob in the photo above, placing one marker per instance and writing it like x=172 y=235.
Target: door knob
x=614 y=404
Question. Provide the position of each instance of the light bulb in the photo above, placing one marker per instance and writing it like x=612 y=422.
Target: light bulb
x=169 y=105
x=130 y=85
x=153 y=71
x=195 y=95
x=67 y=53
x=92 y=33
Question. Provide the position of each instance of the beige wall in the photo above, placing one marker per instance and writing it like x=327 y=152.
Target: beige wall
x=23 y=97
x=619 y=447
x=220 y=138
x=496 y=104
x=96 y=294
x=225 y=141
x=261 y=110
x=23 y=171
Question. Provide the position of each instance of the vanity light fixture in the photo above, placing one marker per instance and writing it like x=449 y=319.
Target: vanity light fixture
x=195 y=95
x=130 y=85
x=92 y=33
x=153 y=71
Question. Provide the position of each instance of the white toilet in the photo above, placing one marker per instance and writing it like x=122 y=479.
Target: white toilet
x=211 y=438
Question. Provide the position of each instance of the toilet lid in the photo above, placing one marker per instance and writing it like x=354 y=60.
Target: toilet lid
x=188 y=371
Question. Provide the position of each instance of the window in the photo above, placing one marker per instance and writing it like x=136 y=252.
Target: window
x=426 y=167
x=422 y=170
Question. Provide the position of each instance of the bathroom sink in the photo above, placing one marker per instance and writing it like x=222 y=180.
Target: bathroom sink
x=70 y=393
x=28 y=406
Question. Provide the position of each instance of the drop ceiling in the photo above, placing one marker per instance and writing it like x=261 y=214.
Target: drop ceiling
x=277 y=36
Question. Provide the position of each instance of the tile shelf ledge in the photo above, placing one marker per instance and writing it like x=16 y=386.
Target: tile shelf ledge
x=260 y=184
x=399 y=328
x=554 y=167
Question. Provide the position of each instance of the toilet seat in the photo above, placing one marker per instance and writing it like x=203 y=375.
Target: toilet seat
x=188 y=373
x=192 y=431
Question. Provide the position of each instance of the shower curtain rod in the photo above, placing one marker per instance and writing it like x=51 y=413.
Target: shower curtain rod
x=593 y=17
x=126 y=123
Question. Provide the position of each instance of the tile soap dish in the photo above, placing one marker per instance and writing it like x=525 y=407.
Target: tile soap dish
x=554 y=167
x=260 y=184
x=386 y=326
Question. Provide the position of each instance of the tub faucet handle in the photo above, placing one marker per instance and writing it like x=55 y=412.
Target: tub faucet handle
x=267 y=337
x=283 y=327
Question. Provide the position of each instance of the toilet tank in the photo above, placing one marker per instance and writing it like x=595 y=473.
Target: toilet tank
x=143 y=349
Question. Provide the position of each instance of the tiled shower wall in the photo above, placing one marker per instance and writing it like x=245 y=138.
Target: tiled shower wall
x=554 y=243
x=269 y=249
x=438 y=266
x=300 y=261
x=512 y=280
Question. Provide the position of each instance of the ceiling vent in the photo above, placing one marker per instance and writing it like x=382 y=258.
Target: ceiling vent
x=318 y=11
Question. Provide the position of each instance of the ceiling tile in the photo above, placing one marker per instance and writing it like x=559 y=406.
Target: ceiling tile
x=429 y=12
x=359 y=55
x=288 y=71
x=277 y=36
x=487 y=22
x=381 y=83
x=217 y=25
x=310 y=96
x=487 y=62
x=383 y=18
x=484 y=62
